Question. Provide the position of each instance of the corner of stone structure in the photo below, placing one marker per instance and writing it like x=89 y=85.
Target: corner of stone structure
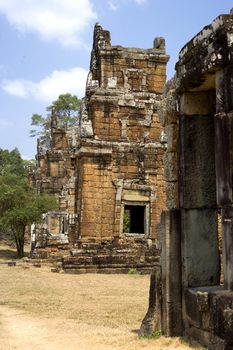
x=86 y=127
x=159 y=43
x=101 y=37
x=168 y=115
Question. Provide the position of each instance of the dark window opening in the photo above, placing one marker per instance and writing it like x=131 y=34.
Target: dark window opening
x=134 y=217
x=62 y=225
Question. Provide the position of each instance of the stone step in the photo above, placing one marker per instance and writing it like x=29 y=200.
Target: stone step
x=127 y=249
x=100 y=259
x=112 y=259
x=109 y=268
x=79 y=252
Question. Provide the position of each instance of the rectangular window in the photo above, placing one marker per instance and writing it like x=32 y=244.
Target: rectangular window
x=57 y=224
x=134 y=219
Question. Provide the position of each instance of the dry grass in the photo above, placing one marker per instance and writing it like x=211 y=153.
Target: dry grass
x=85 y=312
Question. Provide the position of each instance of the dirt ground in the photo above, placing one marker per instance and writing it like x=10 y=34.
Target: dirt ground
x=41 y=310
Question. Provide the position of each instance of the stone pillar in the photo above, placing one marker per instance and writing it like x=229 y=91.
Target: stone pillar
x=224 y=167
x=171 y=273
x=227 y=225
x=198 y=192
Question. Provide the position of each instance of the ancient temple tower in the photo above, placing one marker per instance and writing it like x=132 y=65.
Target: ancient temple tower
x=117 y=159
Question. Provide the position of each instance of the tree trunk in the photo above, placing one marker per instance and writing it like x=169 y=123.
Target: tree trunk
x=20 y=249
x=19 y=240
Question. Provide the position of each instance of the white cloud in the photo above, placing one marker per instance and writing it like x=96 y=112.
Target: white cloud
x=140 y=1
x=64 y=21
x=50 y=87
x=19 y=88
x=112 y=5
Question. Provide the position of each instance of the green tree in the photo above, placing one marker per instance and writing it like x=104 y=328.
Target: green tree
x=20 y=205
x=66 y=108
x=41 y=124
x=11 y=162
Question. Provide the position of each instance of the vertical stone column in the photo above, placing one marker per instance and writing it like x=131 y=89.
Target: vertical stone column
x=224 y=167
x=118 y=209
x=170 y=237
x=171 y=273
x=227 y=246
x=198 y=191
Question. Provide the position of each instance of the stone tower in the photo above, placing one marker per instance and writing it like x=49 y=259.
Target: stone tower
x=117 y=157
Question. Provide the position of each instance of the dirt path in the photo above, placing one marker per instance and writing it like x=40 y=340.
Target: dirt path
x=40 y=310
x=20 y=331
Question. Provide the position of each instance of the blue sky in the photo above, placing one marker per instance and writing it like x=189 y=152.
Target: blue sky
x=45 y=48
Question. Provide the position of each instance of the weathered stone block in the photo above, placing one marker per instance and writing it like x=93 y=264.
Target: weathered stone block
x=197 y=103
x=223 y=152
x=197 y=308
x=198 y=181
x=200 y=247
x=172 y=196
x=207 y=339
x=170 y=166
x=227 y=245
x=172 y=137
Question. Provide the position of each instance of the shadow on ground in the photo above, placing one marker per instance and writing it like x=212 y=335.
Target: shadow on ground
x=7 y=254
x=8 y=250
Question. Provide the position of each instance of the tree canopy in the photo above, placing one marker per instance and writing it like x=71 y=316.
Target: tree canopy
x=66 y=108
x=11 y=162
x=20 y=205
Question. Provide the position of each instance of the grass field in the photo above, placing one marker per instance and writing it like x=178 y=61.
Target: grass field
x=44 y=310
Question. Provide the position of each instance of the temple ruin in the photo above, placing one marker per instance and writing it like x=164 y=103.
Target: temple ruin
x=145 y=180
x=107 y=172
x=186 y=297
